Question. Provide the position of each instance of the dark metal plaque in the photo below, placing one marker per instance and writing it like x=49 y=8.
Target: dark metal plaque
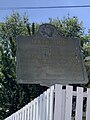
x=48 y=58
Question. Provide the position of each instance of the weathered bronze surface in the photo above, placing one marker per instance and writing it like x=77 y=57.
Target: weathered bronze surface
x=48 y=58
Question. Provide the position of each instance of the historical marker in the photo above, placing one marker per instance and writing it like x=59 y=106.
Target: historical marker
x=48 y=58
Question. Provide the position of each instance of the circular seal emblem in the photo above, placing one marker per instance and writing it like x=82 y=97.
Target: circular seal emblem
x=48 y=30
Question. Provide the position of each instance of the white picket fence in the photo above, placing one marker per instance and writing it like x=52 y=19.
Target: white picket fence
x=56 y=104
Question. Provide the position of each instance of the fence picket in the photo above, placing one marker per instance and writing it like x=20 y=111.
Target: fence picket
x=47 y=104
x=41 y=106
x=31 y=112
x=37 y=108
x=88 y=105
x=63 y=100
x=34 y=110
x=23 y=114
x=14 y=116
x=79 y=104
x=68 y=108
x=27 y=112
x=44 y=106
x=51 y=102
x=58 y=102
x=18 y=115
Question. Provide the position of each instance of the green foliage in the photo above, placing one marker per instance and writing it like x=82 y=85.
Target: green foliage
x=86 y=45
x=12 y=95
x=68 y=27
x=86 y=48
x=9 y=88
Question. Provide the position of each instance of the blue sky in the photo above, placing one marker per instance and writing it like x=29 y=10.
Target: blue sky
x=42 y=15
